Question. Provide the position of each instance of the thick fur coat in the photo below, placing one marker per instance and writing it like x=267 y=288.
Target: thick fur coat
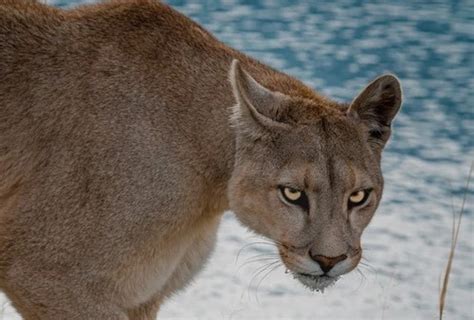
x=122 y=141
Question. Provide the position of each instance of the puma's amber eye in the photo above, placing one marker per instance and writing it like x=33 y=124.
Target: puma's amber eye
x=291 y=194
x=295 y=196
x=359 y=197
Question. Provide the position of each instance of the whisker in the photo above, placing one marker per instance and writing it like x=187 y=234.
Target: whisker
x=260 y=256
x=361 y=273
x=368 y=267
x=372 y=271
x=259 y=271
x=273 y=242
x=254 y=260
x=249 y=245
x=263 y=278
x=362 y=279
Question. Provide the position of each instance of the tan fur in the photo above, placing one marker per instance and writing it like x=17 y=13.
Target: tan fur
x=122 y=142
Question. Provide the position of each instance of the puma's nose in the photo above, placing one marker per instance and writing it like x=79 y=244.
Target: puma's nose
x=327 y=263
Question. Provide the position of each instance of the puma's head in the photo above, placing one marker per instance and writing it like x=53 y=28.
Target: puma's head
x=307 y=175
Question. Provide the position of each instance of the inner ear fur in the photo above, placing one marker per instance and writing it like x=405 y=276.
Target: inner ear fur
x=258 y=109
x=376 y=106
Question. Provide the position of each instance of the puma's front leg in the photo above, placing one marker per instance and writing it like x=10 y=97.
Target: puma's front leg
x=191 y=263
x=146 y=311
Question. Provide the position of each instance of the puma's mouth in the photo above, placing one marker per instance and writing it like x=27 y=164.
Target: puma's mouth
x=315 y=283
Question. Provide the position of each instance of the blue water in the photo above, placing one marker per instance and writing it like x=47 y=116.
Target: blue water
x=337 y=47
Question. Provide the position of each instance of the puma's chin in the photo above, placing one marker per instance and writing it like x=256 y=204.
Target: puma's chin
x=315 y=283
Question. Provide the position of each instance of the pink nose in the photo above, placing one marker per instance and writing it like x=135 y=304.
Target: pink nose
x=327 y=263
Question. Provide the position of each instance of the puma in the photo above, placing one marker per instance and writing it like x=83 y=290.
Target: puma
x=126 y=130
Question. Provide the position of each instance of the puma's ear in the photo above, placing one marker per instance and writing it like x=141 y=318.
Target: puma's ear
x=376 y=106
x=258 y=110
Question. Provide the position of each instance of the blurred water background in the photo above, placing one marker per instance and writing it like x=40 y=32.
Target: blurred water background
x=337 y=47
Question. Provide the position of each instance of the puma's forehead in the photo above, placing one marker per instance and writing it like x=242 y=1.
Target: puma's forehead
x=326 y=138
x=320 y=156
x=326 y=174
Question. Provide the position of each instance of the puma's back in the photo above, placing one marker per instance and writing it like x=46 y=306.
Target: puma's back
x=108 y=155
x=26 y=30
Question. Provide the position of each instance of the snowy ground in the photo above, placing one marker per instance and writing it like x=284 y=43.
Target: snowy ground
x=338 y=46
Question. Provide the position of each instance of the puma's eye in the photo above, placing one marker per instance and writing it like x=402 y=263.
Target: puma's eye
x=359 y=197
x=295 y=196
x=291 y=194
